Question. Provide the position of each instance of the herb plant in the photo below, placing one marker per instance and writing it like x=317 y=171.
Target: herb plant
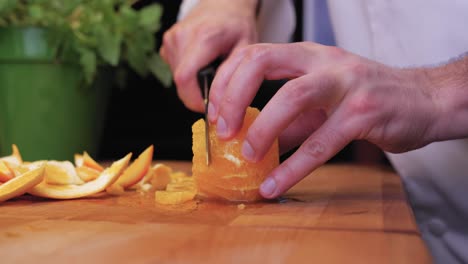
x=95 y=32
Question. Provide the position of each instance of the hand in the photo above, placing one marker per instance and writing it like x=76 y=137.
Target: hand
x=332 y=98
x=212 y=29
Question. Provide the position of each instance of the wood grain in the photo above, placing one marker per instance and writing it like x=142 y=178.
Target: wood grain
x=339 y=214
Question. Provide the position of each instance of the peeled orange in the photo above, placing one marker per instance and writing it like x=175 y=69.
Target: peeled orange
x=229 y=176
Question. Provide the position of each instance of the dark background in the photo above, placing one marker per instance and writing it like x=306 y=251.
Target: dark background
x=145 y=112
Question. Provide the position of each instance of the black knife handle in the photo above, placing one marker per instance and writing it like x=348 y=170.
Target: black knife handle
x=207 y=72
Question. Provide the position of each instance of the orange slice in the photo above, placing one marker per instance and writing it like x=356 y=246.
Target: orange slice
x=21 y=184
x=90 y=162
x=105 y=179
x=180 y=176
x=61 y=173
x=15 y=157
x=161 y=176
x=12 y=161
x=135 y=172
x=86 y=173
x=174 y=197
x=79 y=161
x=156 y=178
x=181 y=186
x=229 y=176
x=6 y=173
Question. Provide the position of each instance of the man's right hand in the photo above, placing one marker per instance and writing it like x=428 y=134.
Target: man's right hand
x=213 y=28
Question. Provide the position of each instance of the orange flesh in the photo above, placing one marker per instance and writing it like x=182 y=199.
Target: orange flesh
x=229 y=176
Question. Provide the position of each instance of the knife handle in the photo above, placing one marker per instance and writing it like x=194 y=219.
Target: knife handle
x=207 y=73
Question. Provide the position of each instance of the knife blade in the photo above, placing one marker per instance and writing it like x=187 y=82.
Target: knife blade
x=205 y=78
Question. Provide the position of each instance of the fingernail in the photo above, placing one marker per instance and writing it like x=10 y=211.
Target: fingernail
x=221 y=127
x=211 y=113
x=268 y=187
x=247 y=151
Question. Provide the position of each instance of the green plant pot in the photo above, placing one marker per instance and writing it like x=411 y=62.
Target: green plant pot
x=45 y=106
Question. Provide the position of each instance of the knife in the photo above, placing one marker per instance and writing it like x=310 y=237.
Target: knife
x=205 y=78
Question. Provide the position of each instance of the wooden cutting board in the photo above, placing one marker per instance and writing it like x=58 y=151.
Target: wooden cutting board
x=339 y=214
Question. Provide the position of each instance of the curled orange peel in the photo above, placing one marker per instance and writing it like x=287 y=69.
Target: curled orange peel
x=137 y=170
x=105 y=179
x=21 y=184
x=90 y=162
x=6 y=173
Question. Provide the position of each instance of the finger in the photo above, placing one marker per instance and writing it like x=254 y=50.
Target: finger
x=220 y=82
x=169 y=47
x=328 y=140
x=301 y=128
x=165 y=55
x=257 y=62
x=194 y=57
x=312 y=91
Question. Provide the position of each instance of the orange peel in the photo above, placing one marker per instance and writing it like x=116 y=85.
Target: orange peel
x=15 y=157
x=86 y=173
x=78 y=158
x=90 y=162
x=137 y=170
x=21 y=184
x=61 y=173
x=6 y=173
x=105 y=179
x=10 y=162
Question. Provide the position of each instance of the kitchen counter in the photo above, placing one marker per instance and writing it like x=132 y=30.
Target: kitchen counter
x=339 y=214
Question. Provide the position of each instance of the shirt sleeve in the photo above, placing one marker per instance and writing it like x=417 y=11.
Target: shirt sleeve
x=276 y=19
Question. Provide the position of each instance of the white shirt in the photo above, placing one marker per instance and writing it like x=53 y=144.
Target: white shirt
x=406 y=33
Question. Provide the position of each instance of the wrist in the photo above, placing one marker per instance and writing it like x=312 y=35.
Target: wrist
x=449 y=90
x=248 y=6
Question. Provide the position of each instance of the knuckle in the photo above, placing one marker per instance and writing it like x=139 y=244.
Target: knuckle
x=230 y=103
x=310 y=47
x=364 y=102
x=257 y=53
x=320 y=89
x=336 y=53
x=366 y=113
x=360 y=70
x=208 y=33
x=355 y=73
x=181 y=78
x=167 y=36
x=294 y=93
x=314 y=149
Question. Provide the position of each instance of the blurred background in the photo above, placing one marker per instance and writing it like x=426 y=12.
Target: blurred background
x=145 y=112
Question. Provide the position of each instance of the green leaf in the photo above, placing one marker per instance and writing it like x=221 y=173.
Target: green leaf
x=88 y=62
x=150 y=16
x=137 y=60
x=160 y=69
x=97 y=32
x=6 y=5
x=36 y=13
x=109 y=46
